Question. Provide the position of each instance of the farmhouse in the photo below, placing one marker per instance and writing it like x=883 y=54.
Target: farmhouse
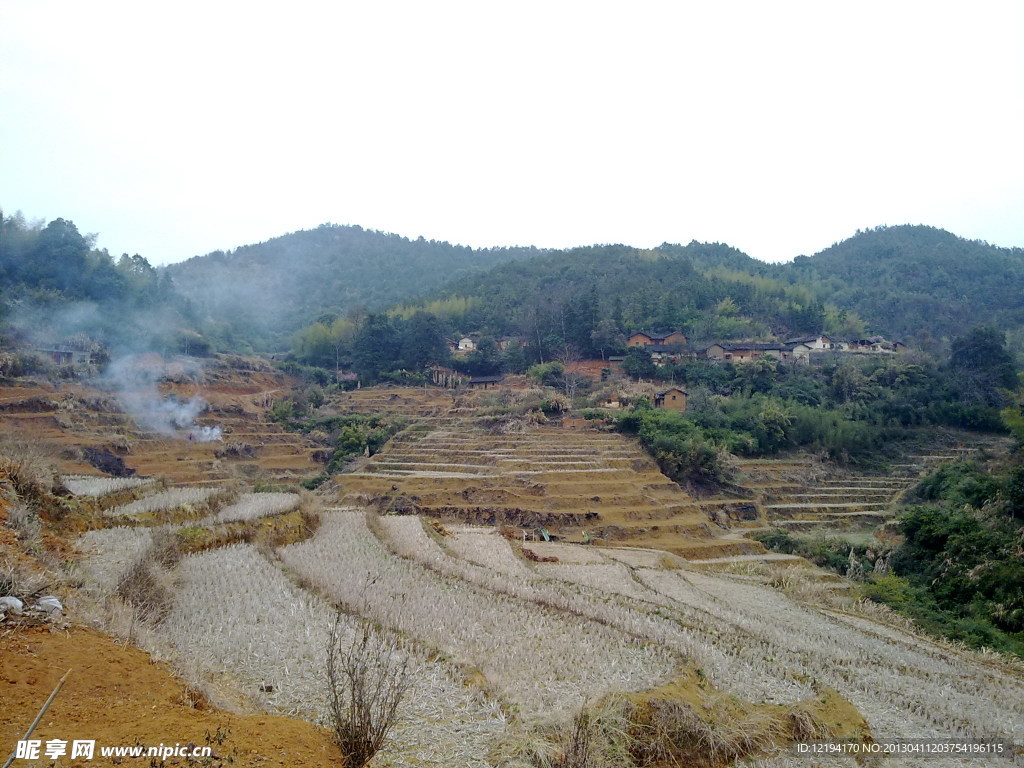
x=663 y=338
x=64 y=355
x=813 y=342
x=672 y=399
x=466 y=344
x=485 y=382
x=745 y=352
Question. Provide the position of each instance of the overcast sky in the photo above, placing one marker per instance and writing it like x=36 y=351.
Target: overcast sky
x=175 y=129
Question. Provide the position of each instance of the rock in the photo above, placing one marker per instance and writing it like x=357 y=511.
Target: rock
x=51 y=606
x=11 y=604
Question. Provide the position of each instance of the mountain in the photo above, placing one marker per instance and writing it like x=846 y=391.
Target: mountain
x=914 y=280
x=260 y=294
x=910 y=283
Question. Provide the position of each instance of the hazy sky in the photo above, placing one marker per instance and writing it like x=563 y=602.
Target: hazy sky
x=175 y=129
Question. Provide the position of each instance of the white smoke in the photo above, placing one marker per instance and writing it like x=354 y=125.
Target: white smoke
x=206 y=434
x=134 y=379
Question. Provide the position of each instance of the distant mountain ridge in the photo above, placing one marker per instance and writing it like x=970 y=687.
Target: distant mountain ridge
x=915 y=283
x=912 y=279
x=262 y=293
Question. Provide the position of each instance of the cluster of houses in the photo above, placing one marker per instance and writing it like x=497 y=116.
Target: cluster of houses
x=672 y=347
x=465 y=345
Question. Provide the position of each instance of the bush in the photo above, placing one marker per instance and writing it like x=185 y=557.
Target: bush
x=367 y=676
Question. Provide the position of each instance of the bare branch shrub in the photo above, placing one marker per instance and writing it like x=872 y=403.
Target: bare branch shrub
x=24 y=520
x=19 y=581
x=368 y=676
x=27 y=468
x=577 y=753
x=144 y=590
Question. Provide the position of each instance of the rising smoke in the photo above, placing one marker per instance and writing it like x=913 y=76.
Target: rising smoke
x=134 y=380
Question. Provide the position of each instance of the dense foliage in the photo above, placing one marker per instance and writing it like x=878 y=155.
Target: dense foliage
x=261 y=294
x=959 y=570
x=348 y=435
x=589 y=298
x=912 y=283
x=916 y=283
x=58 y=289
x=853 y=410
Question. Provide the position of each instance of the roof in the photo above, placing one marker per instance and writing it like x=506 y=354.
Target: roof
x=671 y=389
x=754 y=347
x=486 y=379
x=806 y=339
x=656 y=334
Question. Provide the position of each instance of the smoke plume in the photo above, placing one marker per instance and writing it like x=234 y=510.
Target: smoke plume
x=134 y=379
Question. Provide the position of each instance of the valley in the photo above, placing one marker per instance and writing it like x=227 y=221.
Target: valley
x=524 y=570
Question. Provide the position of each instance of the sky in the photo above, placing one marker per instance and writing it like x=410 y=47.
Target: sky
x=176 y=129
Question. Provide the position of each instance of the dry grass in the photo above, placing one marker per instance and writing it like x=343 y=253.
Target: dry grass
x=234 y=610
x=26 y=468
x=568 y=657
x=19 y=580
x=252 y=506
x=145 y=589
x=84 y=485
x=166 y=501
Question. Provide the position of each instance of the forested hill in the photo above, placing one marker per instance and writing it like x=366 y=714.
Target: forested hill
x=56 y=288
x=912 y=283
x=260 y=294
x=914 y=280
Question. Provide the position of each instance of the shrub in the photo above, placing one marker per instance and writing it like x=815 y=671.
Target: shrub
x=367 y=677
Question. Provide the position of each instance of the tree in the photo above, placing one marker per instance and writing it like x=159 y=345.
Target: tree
x=982 y=365
x=606 y=338
x=568 y=357
x=422 y=341
x=371 y=345
x=485 y=360
x=638 y=363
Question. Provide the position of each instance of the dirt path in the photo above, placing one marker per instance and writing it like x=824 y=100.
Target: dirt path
x=119 y=696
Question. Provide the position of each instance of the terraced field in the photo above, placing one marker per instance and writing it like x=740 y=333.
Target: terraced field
x=77 y=416
x=510 y=634
x=507 y=636
x=576 y=484
x=797 y=501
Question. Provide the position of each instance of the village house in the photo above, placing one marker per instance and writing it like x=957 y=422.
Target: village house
x=872 y=345
x=485 y=382
x=466 y=344
x=673 y=399
x=813 y=342
x=64 y=355
x=666 y=339
x=745 y=352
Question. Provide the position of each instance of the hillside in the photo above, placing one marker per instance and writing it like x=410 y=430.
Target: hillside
x=259 y=294
x=917 y=282
x=707 y=662
x=911 y=282
x=56 y=288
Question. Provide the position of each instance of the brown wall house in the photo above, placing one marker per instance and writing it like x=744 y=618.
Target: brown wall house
x=672 y=338
x=639 y=340
x=674 y=399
